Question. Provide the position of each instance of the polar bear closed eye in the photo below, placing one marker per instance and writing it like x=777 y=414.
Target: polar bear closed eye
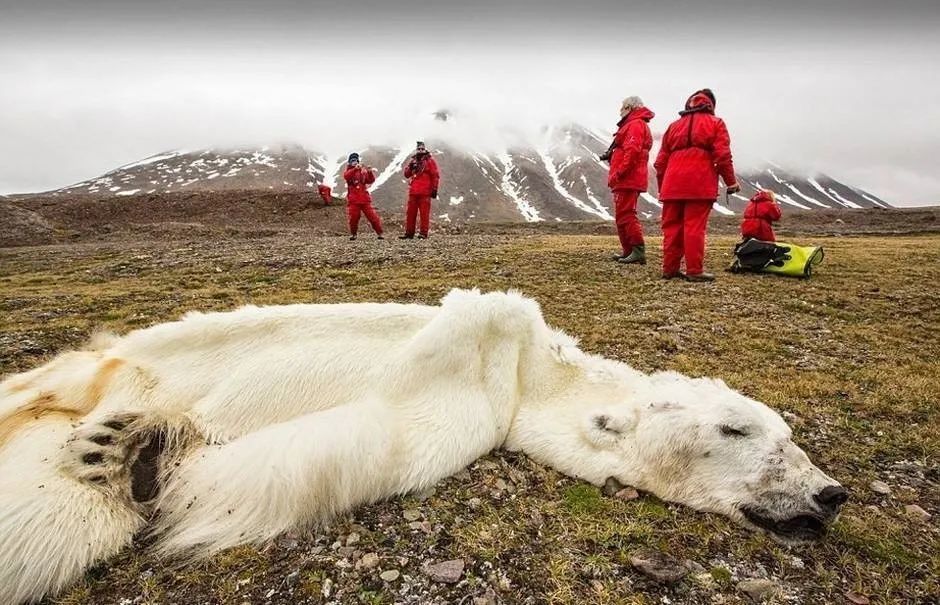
x=203 y=418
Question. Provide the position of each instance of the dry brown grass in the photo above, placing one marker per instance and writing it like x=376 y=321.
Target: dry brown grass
x=852 y=357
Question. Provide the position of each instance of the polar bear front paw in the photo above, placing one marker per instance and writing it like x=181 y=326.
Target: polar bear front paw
x=119 y=454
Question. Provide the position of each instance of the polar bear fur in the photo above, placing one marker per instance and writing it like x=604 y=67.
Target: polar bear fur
x=229 y=428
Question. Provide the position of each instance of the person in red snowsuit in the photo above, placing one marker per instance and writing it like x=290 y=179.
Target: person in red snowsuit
x=358 y=200
x=423 y=178
x=761 y=211
x=695 y=151
x=325 y=192
x=628 y=176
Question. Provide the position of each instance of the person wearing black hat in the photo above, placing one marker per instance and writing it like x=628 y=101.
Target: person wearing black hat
x=695 y=152
x=358 y=199
x=423 y=180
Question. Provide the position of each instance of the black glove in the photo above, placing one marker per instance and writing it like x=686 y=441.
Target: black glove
x=413 y=166
x=434 y=194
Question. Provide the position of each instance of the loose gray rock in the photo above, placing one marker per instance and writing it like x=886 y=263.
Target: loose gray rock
x=611 y=487
x=390 y=575
x=370 y=560
x=474 y=503
x=759 y=590
x=488 y=598
x=627 y=493
x=292 y=578
x=658 y=566
x=448 y=572
x=352 y=538
x=880 y=487
x=411 y=514
x=917 y=512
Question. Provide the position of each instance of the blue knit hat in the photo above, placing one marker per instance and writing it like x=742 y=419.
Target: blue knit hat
x=353 y=157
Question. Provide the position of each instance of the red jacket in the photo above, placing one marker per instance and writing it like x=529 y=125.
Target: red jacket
x=629 y=160
x=325 y=192
x=695 y=151
x=760 y=212
x=423 y=175
x=358 y=180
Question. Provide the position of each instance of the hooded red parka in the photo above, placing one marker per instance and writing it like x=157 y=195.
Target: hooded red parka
x=761 y=211
x=630 y=158
x=421 y=170
x=358 y=180
x=695 y=151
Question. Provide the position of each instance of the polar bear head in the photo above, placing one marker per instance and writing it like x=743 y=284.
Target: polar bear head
x=700 y=443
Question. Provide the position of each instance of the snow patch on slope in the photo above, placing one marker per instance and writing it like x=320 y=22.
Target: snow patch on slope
x=514 y=192
x=596 y=209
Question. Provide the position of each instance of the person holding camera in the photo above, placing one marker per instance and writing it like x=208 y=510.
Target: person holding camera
x=423 y=180
x=358 y=199
x=695 y=151
x=628 y=176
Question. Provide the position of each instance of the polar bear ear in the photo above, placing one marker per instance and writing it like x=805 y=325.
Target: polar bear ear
x=604 y=429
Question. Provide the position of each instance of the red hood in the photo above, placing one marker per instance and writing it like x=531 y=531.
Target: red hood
x=640 y=113
x=763 y=196
x=698 y=102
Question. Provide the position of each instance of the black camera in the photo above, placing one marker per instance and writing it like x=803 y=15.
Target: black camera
x=605 y=157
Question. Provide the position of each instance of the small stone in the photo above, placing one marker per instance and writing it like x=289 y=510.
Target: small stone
x=627 y=493
x=857 y=599
x=474 y=503
x=448 y=572
x=424 y=526
x=352 y=538
x=659 y=566
x=292 y=578
x=411 y=514
x=327 y=587
x=759 y=589
x=488 y=598
x=917 y=512
x=425 y=494
x=345 y=551
x=611 y=487
x=880 y=487
x=694 y=566
x=390 y=575
x=370 y=560
x=501 y=485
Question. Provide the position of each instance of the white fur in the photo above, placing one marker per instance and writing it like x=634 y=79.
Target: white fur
x=285 y=416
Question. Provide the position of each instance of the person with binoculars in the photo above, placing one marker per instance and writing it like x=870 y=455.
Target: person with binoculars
x=423 y=180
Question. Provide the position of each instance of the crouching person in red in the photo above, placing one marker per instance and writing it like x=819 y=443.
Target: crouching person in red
x=326 y=193
x=628 y=176
x=423 y=178
x=695 y=151
x=762 y=210
x=358 y=200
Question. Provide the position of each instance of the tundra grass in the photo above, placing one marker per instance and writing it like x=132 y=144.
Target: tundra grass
x=851 y=358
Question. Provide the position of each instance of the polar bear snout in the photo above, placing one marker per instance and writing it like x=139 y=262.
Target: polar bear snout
x=831 y=499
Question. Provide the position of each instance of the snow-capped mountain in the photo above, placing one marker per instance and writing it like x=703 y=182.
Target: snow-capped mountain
x=559 y=178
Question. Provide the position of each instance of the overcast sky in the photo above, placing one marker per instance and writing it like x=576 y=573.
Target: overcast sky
x=847 y=87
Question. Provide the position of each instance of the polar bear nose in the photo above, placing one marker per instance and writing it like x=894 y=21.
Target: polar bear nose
x=832 y=497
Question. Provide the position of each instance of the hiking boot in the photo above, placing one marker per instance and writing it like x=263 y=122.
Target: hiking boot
x=676 y=275
x=423 y=236
x=637 y=255
x=352 y=237
x=380 y=236
x=700 y=277
x=618 y=257
x=406 y=236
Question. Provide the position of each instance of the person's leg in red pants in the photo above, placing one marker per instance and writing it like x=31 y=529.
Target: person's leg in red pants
x=695 y=224
x=621 y=214
x=411 y=214
x=373 y=218
x=673 y=241
x=424 y=209
x=352 y=213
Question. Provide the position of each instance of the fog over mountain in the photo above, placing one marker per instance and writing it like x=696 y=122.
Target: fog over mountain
x=839 y=87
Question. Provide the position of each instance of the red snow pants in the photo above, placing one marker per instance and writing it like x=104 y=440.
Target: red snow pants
x=416 y=204
x=684 y=224
x=629 y=229
x=354 y=209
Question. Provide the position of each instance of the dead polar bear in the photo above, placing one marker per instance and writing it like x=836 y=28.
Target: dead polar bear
x=239 y=426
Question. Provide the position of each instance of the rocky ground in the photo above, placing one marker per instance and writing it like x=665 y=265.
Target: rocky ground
x=850 y=358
